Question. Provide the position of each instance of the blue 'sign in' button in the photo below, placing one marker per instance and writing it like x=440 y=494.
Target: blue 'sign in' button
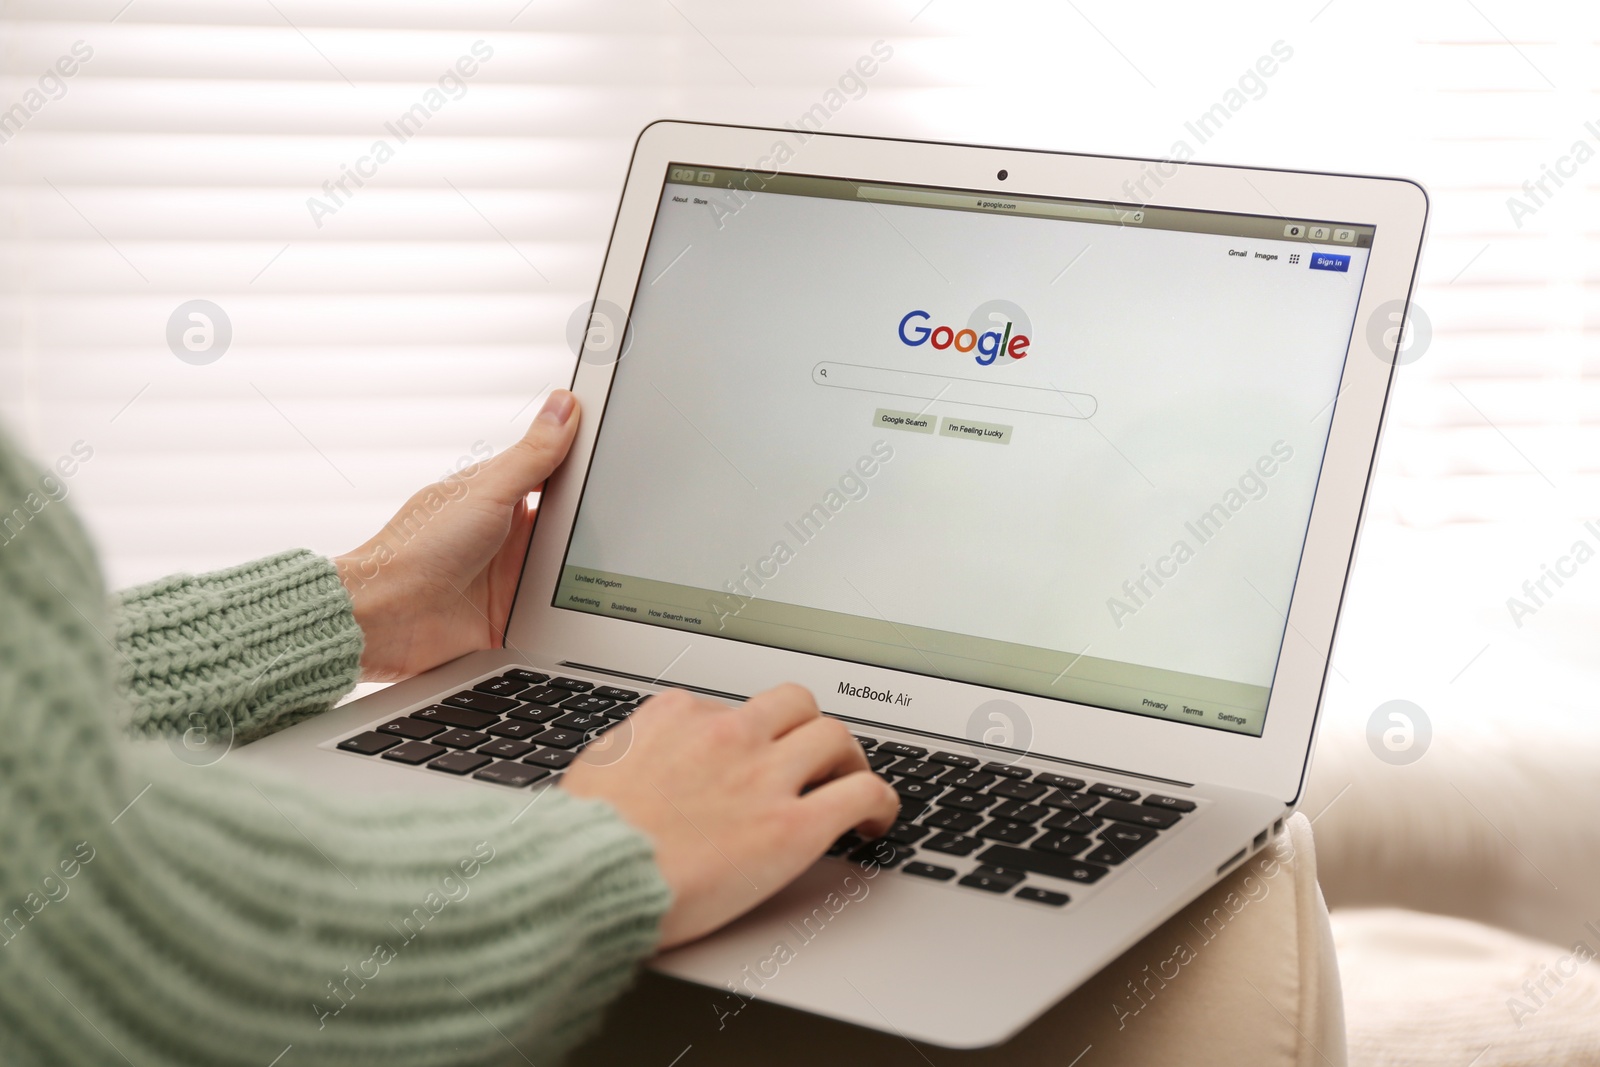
x=1329 y=261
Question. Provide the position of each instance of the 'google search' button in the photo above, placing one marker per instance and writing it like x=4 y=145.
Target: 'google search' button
x=1329 y=261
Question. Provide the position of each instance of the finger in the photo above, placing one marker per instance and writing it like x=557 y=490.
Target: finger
x=674 y=702
x=860 y=801
x=782 y=709
x=517 y=471
x=819 y=750
x=505 y=568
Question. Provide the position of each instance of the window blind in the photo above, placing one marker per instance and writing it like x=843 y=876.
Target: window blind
x=414 y=318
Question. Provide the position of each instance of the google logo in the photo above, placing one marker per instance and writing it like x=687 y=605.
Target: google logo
x=989 y=344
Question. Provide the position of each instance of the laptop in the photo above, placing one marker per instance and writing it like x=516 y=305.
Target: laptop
x=1042 y=471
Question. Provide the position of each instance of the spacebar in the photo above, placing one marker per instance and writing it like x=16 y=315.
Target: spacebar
x=1022 y=859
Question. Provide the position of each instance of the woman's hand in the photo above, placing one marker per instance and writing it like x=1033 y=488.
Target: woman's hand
x=738 y=801
x=437 y=581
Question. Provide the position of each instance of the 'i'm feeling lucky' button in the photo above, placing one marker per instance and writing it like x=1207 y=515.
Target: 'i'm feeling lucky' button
x=975 y=431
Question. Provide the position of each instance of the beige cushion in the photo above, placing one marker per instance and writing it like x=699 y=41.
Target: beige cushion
x=1244 y=975
x=1491 y=824
x=1424 y=990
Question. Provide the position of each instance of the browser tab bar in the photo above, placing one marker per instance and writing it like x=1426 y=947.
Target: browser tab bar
x=1008 y=205
x=742 y=184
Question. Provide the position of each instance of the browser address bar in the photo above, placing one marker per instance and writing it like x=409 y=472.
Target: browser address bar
x=1005 y=396
x=1001 y=204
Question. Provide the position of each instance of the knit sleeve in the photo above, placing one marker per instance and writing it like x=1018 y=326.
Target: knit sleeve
x=226 y=917
x=160 y=912
x=237 y=653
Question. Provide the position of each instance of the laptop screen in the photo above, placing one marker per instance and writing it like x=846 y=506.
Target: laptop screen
x=1056 y=447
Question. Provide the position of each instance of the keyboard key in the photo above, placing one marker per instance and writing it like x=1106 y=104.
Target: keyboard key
x=915 y=790
x=1017 y=811
x=480 y=702
x=561 y=738
x=964 y=801
x=506 y=748
x=545 y=694
x=884 y=853
x=414 y=752
x=844 y=844
x=1110 y=855
x=1169 y=803
x=1138 y=814
x=531 y=677
x=951 y=819
x=466 y=720
x=1060 y=843
x=516 y=731
x=866 y=742
x=993 y=879
x=611 y=692
x=1018 y=790
x=461 y=738
x=618 y=712
x=1114 y=849
x=967 y=779
x=554 y=758
x=415 y=729
x=459 y=763
x=1060 y=781
x=582 y=720
x=536 y=712
x=928 y=870
x=515 y=775
x=1010 y=770
x=879 y=760
x=905 y=833
x=954 y=759
x=1026 y=859
x=501 y=687
x=571 y=685
x=952 y=844
x=910 y=809
x=1128 y=836
x=1079 y=802
x=895 y=748
x=1072 y=823
x=370 y=743
x=587 y=703
x=911 y=768
x=1115 y=792
x=1013 y=833
x=1041 y=896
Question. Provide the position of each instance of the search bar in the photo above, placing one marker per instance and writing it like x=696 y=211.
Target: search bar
x=1005 y=396
x=1000 y=204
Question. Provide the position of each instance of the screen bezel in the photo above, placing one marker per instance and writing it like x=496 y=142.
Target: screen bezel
x=1273 y=763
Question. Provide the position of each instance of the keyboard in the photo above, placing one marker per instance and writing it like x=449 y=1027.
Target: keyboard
x=985 y=825
x=990 y=825
x=517 y=729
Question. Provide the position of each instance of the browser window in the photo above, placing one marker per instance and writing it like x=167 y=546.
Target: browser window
x=1055 y=447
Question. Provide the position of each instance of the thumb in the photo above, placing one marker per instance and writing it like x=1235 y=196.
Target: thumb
x=520 y=469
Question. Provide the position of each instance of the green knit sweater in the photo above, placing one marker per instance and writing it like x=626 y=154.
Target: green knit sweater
x=157 y=912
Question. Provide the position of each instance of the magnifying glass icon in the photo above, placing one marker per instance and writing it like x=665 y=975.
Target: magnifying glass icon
x=823 y=372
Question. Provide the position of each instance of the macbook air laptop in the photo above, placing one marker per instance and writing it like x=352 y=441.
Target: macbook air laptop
x=1042 y=471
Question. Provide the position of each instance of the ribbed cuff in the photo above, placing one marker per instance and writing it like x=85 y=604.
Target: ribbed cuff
x=237 y=653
